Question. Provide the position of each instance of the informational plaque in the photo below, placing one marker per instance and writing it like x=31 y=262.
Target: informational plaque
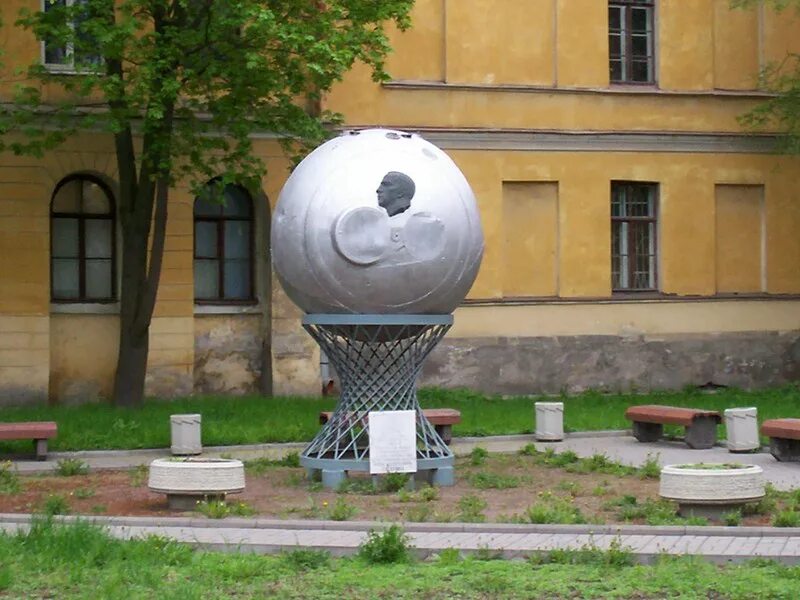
x=392 y=441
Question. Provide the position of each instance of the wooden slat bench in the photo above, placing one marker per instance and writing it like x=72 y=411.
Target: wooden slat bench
x=442 y=420
x=784 y=438
x=38 y=431
x=649 y=420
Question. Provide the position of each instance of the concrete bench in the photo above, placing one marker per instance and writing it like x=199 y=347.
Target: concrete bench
x=38 y=431
x=649 y=420
x=784 y=438
x=442 y=420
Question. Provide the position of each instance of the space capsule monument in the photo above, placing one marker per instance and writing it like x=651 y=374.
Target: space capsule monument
x=376 y=236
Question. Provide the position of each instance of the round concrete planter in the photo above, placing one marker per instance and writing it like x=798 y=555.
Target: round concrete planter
x=186 y=481
x=709 y=490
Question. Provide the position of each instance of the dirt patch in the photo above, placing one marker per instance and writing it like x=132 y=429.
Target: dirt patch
x=283 y=493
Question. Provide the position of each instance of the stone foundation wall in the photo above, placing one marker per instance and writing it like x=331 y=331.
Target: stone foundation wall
x=533 y=365
x=227 y=354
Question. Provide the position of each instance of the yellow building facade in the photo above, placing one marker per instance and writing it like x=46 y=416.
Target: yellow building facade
x=637 y=237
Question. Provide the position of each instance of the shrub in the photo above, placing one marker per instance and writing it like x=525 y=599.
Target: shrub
x=214 y=509
x=529 y=450
x=478 y=456
x=554 y=510
x=55 y=504
x=384 y=547
x=393 y=482
x=292 y=459
x=68 y=467
x=650 y=469
x=732 y=518
x=341 y=510
x=9 y=480
x=787 y=518
x=426 y=494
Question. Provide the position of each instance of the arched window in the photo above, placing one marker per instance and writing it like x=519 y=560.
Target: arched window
x=82 y=241
x=223 y=247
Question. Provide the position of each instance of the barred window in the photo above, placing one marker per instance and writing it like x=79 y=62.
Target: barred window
x=633 y=236
x=631 y=47
x=82 y=242
x=223 y=246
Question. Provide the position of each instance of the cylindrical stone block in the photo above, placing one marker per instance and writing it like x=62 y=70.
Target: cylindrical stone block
x=185 y=434
x=742 y=426
x=549 y=421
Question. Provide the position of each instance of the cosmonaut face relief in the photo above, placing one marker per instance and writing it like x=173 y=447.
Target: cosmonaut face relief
x=377 y=222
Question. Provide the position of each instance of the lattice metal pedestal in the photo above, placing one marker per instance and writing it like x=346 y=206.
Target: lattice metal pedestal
x=378 y=358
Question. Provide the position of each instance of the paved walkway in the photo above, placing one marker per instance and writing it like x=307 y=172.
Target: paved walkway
x=718 y=544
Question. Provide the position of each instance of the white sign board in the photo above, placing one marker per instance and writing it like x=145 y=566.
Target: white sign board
x=393 y=441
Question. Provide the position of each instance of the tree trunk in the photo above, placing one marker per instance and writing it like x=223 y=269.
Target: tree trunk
x=140 y=279
x=134 y=339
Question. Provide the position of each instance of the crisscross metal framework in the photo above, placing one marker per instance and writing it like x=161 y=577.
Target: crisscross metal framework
x=378 y=359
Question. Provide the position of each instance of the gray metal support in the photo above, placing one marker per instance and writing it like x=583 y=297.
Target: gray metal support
x=378 y=359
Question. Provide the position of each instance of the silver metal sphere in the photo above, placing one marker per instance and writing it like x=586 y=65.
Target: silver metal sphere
x=377 y=222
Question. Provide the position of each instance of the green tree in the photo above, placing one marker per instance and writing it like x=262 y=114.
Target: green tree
x=181 y=85
x=783 y=78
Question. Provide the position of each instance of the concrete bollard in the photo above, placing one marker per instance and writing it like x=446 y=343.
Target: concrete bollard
x=549 y=421
x=185 y=434
x=742 y=426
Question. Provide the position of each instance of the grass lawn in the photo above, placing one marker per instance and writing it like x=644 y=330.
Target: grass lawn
x=82 y=562
x=249 y=420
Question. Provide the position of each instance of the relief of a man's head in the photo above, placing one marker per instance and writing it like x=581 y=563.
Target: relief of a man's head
x=395 y=192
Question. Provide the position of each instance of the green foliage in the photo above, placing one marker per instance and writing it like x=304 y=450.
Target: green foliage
x=426 y=494
x=487 y=480
x=138 y=475
x=9 y=480
x=69 y=467
x=528 y=450
x=478 y=456
x=256 y=419
x=471 y=509
x=787 y=518
x=384 y=547
x=307 y=560
x=615 y=556
x=55 y=504
x=84 y=493
x=393 y=482
x=651 y=469
x=571 y=487
x=258 y=466
x=552 y=509
x=357 y=485
x=732 y=518
x=214 y=509
x=220 y=509
x=766 y=505
x=418 y=513
x=341 y=510
x=82 y=561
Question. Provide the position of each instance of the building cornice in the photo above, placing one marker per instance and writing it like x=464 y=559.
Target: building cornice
x=612 y=90
x=594 y=141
